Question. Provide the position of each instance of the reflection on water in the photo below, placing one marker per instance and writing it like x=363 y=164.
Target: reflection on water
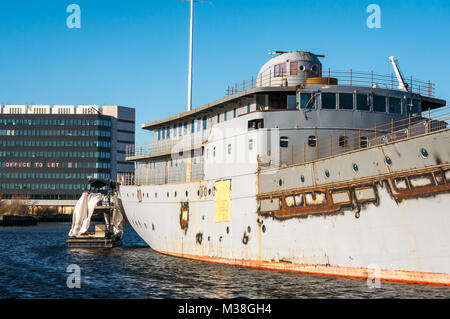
x=33 y=264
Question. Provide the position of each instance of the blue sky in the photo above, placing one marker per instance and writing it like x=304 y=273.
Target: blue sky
x=135 y=53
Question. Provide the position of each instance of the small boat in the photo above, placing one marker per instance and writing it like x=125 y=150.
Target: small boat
x=106 y=235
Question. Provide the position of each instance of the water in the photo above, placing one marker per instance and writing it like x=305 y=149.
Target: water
x=34 y=261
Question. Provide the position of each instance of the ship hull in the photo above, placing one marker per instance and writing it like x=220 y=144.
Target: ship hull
x=380 y=231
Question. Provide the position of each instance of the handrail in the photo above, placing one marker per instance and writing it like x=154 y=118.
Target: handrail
x=352 y=78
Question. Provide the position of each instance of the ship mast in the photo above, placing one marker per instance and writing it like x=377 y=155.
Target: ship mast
x=191 y=44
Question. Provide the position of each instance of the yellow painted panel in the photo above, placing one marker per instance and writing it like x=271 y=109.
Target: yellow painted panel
x=222 y=198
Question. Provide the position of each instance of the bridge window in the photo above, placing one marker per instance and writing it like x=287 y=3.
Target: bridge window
x=193 y=126
x=413 y=107
x=294 y=67
x=199 y=126
x=279 y=70
x=234 y=112
x=312 y=141
x=343 y=141
x=284 y=141
x=248 y=108
x=363 y=102
x=159 y=134
x=345 y=101
x=307 y=101
x=175 y=130
x=205 y=123
x=180 y=130
x=225 y=115
x=379 y=103
x=168 y=132
x=218 y=118
x=395 y=105
x=328 y=101
x=185 y=128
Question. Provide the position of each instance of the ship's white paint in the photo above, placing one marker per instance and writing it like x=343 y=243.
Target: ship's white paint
x=410 y=235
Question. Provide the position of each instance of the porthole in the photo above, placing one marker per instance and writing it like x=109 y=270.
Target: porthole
x=175 y=194
x=228 y=230
x=249 y=229
x=302 y=178
x=209 y=191
x=167 y=194
x=424 y=152
x=355 y=167
x=280 y=182
x=388 y=160
x=327 y=173
x=156 y=195
x=187 y=193
x=302 y=68
x=264 y=228
x=198 y=193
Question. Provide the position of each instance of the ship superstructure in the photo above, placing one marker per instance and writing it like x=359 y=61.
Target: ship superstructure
x=302 y=169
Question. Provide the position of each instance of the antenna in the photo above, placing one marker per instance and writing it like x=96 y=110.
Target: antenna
x=191 y=40
x=401 y=83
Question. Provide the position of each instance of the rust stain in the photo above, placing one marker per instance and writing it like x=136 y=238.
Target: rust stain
x=433 y=175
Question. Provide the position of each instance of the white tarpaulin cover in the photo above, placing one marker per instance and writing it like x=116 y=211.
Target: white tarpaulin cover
x=117 y=219
x=83 y=212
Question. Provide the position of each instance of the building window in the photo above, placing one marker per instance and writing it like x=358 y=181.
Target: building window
x=284 y=141
x=294 y=67
x=363 y=102
x=345 y=101
x=329 y=101
x=312 y=141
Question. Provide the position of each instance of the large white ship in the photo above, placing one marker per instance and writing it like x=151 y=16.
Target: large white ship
x=302 y=169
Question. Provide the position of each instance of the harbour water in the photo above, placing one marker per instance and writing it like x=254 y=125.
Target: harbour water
x=34 y=263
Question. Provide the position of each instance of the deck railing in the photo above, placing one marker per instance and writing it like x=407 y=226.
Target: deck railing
x=350 y=77
x=427 y=122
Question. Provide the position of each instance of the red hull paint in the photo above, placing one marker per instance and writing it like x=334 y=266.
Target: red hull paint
x=349 y=272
